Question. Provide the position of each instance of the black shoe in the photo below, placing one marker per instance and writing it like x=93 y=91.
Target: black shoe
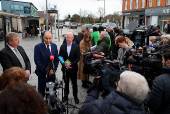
x=88 y=82
x=76 y=100
x=65 y=98
x=84 y=85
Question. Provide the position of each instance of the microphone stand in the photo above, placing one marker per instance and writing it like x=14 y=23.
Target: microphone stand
x=65 y=74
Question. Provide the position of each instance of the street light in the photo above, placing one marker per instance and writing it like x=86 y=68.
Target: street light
x=104 y=10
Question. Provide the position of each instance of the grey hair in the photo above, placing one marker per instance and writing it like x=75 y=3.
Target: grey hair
x=104 y=33
x=167 y=36
x=108 y=27
x=134 y=85
x=46 y=32
x=71 y=31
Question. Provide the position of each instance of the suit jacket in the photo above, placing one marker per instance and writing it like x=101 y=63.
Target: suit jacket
x=42 y=58
x=74 y=56
x=9 y=59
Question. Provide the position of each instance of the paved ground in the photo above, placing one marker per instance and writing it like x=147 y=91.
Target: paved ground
x=28 y=44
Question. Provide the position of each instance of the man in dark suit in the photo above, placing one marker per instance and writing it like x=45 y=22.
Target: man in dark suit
x=14 y=55
x=70 y=53
x=42 y=53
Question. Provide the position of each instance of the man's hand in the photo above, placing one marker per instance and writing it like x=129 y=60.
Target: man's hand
x=51 y=72
x=69 y=66
x=102 y=53
x=27 y=73
x=115 y=60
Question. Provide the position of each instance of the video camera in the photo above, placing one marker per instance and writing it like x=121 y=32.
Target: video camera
x=56 y=106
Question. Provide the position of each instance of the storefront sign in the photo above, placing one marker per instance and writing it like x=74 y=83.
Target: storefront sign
x=32 y=11
x=27 y=10
x=16 y=7
x=166 y=11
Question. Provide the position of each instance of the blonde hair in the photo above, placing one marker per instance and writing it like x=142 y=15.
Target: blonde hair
x=130 y=43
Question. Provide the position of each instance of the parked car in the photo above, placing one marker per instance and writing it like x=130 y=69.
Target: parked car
x=111 y=25
x=60 y=25
x=90 y=27
x=67 y=24
x=73 y=25
x=79 y=24
x=97 y=25
x=105 y=25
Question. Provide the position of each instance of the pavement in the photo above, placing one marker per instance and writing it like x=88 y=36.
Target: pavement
x=28 y=44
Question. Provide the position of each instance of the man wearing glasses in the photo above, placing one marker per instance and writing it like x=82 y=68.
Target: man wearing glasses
x=132 y=89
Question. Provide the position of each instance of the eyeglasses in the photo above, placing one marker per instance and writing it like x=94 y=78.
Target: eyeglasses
x=83 y=31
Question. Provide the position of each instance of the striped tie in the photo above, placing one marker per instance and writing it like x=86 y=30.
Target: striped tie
x=20 y=58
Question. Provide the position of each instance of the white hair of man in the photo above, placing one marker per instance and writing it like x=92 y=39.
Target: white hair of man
x=104 y=33
x=71 y=31
x=47 y=32
x=134 y=85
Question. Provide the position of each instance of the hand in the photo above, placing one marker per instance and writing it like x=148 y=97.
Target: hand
x=27 y=73
x=102 y=53
x=51 y=72
x=115 y=60
x=69 y=66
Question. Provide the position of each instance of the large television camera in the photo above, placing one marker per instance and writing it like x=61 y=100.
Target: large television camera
x=56 y=106
x=150 y=62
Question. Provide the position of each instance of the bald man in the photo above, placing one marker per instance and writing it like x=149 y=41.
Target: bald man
x=71 y=53
x=42 y=53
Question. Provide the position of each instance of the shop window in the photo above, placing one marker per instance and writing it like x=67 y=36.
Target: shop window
x=136 y=4
x=167 y=2
x=130 y=4
x=143 y=3
x=150 y=3
x=158 y=2
x=126 y=5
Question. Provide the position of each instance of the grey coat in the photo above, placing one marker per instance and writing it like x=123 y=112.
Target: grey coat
x=121 y=54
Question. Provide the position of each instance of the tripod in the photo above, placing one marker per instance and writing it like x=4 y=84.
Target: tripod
x=66 y=77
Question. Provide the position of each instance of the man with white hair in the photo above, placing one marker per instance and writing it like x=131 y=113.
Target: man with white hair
x=132 y=89
x=103 y=43
x=166 y=39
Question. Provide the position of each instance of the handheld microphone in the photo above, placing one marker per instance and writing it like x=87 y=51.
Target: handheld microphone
x=62 y=61
x=52 y=57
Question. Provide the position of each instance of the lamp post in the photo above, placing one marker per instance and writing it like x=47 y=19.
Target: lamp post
x=46 y=16
x=104 y=10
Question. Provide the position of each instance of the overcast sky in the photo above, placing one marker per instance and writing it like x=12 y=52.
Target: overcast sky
x=71 y=7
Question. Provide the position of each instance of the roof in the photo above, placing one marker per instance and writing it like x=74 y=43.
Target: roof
x=8 y=14
x=21 y=2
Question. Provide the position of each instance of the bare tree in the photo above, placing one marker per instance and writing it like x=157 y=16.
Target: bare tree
x=101 y=11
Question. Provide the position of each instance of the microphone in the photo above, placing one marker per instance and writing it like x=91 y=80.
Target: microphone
x=50 y=65
x=62 y=61
x=52 y=59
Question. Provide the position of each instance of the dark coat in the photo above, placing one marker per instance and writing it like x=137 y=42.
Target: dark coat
x=80 y=36
x=9 y=59
x=74 y=56
x=115 y=103
x=42 y=58
x=75 y=40
x=102 y=46
x=112 y=38
x=159 y=97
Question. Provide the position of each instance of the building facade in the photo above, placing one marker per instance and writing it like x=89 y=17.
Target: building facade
x=156 y=12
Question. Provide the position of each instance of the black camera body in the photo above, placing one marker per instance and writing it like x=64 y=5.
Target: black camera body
x=56 y=106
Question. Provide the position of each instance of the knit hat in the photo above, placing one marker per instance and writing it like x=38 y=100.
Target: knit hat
x=152 y=37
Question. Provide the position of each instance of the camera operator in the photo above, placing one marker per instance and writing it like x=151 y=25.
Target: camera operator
x=103 y=43
x=132 y=89
x=159 y=97
x=121 y=41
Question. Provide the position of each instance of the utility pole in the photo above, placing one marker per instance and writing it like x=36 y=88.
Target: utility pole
x=104 y=12
x=46 y=16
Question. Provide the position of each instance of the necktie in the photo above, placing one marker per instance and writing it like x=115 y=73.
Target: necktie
x=20 y=58
x=48 y=49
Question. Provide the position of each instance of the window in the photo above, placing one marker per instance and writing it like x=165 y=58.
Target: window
x=136 y=4
x=126 y=5
x=130 y=4
x=143 y=3
x=167 y=2
x=158 y=2
x=150 y=3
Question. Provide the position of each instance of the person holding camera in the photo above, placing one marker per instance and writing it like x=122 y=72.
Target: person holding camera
x=158 y=99
x=132 y=89
x=124 y=48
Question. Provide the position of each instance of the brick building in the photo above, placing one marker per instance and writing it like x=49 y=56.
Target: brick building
x=148 y=12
